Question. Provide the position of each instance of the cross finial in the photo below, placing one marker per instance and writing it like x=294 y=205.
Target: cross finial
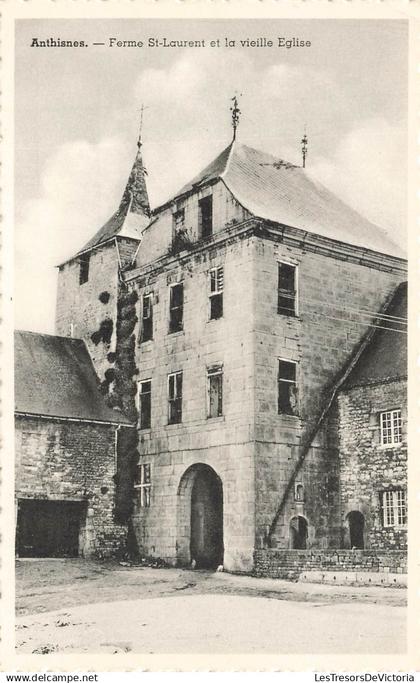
x=304 y=142
x=235 y=115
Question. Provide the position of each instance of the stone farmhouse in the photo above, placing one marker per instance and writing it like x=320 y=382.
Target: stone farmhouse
x=253 y=328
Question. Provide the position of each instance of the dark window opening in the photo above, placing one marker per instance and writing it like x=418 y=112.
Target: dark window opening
x=215 y=392
x=175 y=398
x=216 y=293
x=299 y=493
x=287 y=298
x=176 y=308
x=287 y=388
x=146 y=333
x=179 y=220
x=206 y=216
x=84 y=269
x=145 y=407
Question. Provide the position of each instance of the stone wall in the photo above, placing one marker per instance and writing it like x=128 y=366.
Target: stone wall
x=224 y=443
x=289 y=564
x=79 y=305
x=71 y=461
x=366 y=467
x=320 y=339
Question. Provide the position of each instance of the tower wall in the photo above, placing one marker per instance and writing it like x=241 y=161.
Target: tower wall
x=319 y=339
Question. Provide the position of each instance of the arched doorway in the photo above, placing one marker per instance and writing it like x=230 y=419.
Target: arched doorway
x=298 y=533
x=200 y=517
x=356 y=522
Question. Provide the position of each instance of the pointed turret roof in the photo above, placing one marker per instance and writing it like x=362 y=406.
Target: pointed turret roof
x=281 y=192
x=133 y=213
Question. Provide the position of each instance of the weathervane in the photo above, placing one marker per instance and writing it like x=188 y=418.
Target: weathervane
x=235 y=115
x=304 y=142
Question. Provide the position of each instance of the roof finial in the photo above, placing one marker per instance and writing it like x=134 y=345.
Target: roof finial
x=304 y=142
x=235 y=115
x=139 y=141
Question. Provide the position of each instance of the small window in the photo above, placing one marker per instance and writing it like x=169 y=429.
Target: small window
x=287 y=294
x=143 y=483
x=216 y=293
x=84 y=269
x=179 y=220
x=287 y=388
x=146 y=333
x=299 y=493
x=215 y=392
x=394 y=508
x=176 y=308
x=206 y=216
x=175 y=398
x=145 y=404
x=391 y=427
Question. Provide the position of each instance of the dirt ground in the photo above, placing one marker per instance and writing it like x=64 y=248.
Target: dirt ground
x=86 y=606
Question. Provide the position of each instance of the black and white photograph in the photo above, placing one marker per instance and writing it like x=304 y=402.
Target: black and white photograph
x=210 y=346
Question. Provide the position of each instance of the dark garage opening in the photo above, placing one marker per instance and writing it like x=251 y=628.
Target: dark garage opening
x=49 y=528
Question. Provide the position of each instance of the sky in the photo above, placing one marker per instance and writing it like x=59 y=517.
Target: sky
x=77 y=120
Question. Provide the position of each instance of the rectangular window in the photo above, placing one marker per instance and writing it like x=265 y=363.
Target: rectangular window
x=287 y=388
x=216 y=293
x=287 y=289
x=84 y=269
x=175 y=398
x=215 y=392
x=391 y=427
x=176 y=308
x=146 y=333
x=143 y=483
x=394 y=508
x=206 y=216
x=179 y=220
x=145 y=404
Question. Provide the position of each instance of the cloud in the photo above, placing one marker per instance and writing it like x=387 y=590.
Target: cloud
x=186 y=125
x=81 y=187
x=367 y=170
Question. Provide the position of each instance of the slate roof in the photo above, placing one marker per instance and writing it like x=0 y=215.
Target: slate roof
x=55 y=377
x=385 y=357
x=276 y=190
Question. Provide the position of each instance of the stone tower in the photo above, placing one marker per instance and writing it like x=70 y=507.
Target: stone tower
x=88 y=282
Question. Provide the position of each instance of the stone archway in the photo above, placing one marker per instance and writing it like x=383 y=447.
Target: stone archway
x=298 y=531
x=200 y=517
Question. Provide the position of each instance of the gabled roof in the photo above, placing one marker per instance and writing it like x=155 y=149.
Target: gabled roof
x=55 y=377
x=133 y=213
x=278 y=191
x=385 y=357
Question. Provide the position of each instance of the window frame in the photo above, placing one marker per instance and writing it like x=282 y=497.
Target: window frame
x=176 y=397
x=394 y=508
x=208 y=198
x=171 y=308
x=394 y=429
x=287 y=381
x=215 y=371
x=295 y=313
x=84 y=268
x=139 y=402
x=144 y=488
x=149 y=295
x=218 y=292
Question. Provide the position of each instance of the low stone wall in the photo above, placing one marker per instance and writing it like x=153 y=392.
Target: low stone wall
x=290 y=564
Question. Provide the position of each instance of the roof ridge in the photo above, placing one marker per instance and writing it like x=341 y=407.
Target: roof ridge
x=227 y=164
x=49 y=334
